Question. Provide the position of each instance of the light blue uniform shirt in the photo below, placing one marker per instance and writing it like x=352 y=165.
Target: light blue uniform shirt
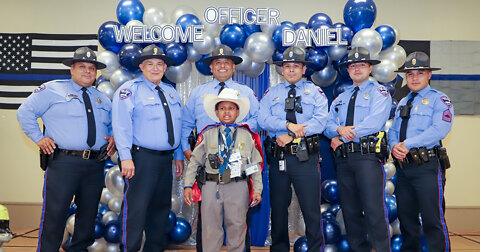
x=60 y=105
x=372 y=109
x=138 y=117
x=194 y=114
x=430 y=120
x=272 y=115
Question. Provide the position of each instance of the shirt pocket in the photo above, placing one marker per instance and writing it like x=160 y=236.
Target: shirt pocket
x=308 y=105
x=423 y=113
x=103 y=109
x=76 y=108
x=278 y=108
x=362 y=106
x=152 y=109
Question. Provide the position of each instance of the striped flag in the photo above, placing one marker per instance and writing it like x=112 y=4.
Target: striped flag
x=30 y=59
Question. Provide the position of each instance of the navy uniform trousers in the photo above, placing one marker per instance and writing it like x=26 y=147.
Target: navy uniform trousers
x=305 y=177
x=361 y=185
x=420 y=190
x=65 y=177
x=147 y=201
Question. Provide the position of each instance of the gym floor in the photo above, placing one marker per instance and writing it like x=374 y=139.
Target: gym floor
x=25 y=240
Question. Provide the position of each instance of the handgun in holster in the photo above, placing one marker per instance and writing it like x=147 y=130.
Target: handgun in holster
x=269 y=149
x=45 y=159
x=443 y=158
x=192 y=139
x=302 y=150
x=201 y=176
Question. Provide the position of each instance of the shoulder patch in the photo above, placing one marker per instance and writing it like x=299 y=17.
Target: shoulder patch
x=446 y=101
x=447 y=116
x=383 y=90
x=124 y=94
x=321 y=92
x=199 y=139
x=40 y=88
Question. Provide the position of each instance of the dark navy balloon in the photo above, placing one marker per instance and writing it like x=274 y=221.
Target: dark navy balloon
x=112 y=232
x=202 y=67
x=277 y=37
x=396 y=243
x=67 y=243
x=317 y=19
x=181 y=231
x=330 y=191
x=128 y=10
x=177 y=52
x=319 y=58
x=342 y=245
x=106 y=36
x=99 y=229
x=388 y=35
x=392 y=110
x=331 y=231
x=172 y=220
x=277 y=56
x=334 y=209
x=300 y=25
x=288 y=24
x=233 y=36
x=188 y=20
x=102 y=208
x=359 y=14
x=391 y=204
x=72 y=209
x=127 y=54
x=340 y=87
x=300 y=245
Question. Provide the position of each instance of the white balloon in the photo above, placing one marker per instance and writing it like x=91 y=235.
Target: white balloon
x=70 y=226
x=98 y=246
x=396 y=227
x=324 y=207
x=106 y=196
x=385 y=71
x=255 y=69
x=180 y=11
x=369 y=39
x=330 y=248
x=217 y=41
x=111 y=60
x=154 y=16
x=397 y=35
x=268 y=28
x=192 y=54
x=112 y=247
x=389 y=187
x=341 y=222
x=246 y=63
x=180 y=73
x=388 y=124
x=259 y=46
x=115 y=204
x=106 y=88
x=395 y=54
x=206 y=46
x=114 y=181
x=389 y=169
x=134 y=23
x=212 y=29
x=336 y=52
x=119 y=77
x=114 y=158
x=325 y=77
x=109 y=216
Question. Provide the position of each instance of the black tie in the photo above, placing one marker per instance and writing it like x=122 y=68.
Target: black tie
x=222 y=86
x=90 y=118
x=404 y=125
x=351 y=108
x=291 y=113
x=168 y=116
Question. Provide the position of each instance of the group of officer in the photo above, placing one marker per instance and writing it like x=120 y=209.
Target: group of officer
x=151 y=129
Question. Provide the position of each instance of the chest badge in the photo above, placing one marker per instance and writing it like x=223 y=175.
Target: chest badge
x=366 y=96
x=99 y=100
x=150 y=98
x=307 y=91
x=425 y=101
x=71 y=96
x=275 y=99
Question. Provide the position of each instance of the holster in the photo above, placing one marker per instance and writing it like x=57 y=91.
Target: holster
x=103 y=155
x=415 y=156
x=302 y=151
x=45 y=159
x=201 y=176
x=269 y=149
x=192 y=139
x=381 y=147
x=443 y=158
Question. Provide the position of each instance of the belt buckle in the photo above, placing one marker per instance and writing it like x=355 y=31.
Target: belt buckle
x=86 y=154
x=293 y=148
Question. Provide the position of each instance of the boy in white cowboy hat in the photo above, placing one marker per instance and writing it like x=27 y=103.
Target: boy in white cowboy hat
x=231 y=157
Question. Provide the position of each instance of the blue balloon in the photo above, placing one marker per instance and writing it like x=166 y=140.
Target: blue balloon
x=99 y=229
x=128 y=10
x=342 y=69
x=127 y=54
x=334 y=209
x=308 y=73
x=318 y=19
x=177 y=52
x=388 y=35
x=102 y=208
x=67 y=243
x=347 y=33
x=300 y=245
x=188 y=20
x=331 y=231
x=288 y=24
x=172 y=220
x=394 y=179
x=319 y=58
x=277 y=56
x=106 y=36
x=342 y=245
x=328 y=216
x=330 y=191
x=202 y=67
x=300 y=25
x=250 y=29
x=181 y=231
x=392 y=110
x=233 y=36
x=277 y=37
x=321 y=26
x=72 y=209
x=359 y=14
x=423 y=243
x=99 y=80
x=112 y=232
x=391 y=204
x=109 y=162
x=396 y=243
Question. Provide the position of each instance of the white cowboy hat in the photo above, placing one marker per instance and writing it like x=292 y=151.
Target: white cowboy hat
x=227 y=94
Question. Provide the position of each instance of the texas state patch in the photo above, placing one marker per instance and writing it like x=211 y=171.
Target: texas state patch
x=124 y=94
x=383 y=90
x=446 y=101
x=40 y=88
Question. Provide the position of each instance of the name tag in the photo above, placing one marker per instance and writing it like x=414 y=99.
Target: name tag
x=251 y=169
x=235 y=169
x=235 y=157
x=282 y=165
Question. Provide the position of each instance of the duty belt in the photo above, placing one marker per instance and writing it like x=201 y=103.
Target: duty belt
x=423 y=155
x=216 y=177
x=371 y=144
x=313 y=145
x=85 y=154
x=161 y=152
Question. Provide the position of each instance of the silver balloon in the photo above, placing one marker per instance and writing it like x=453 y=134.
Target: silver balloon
x=341 y=222
x=70 y=225
x=154 y=16
x=111 y=60
x=255 y=69
x=206 y=46
x=395 y=54
x=330 y=248
x=325 y=77
x=336 y=52
x=278 y=69
x=134 y=23
x=396 y=227
x=180 y=73
x=114 y=181
x=109 y=216
x=176 y=204
x=268 y=28
x=112 y=247
x=389 y=187
x=369 y=39
x=259 y=46
x=180 y=11
x=114 y=158
x=212 y=29
x=107 y=89
x=324 y=207
x=192 y=54
x=388 y=124
x=119 y=77
x=385 y=71
x=106 y=196
x=115 y=204
x=389 y=169
x=240 y=52
x=397 y=35
x=98 y=246
x=217 y=41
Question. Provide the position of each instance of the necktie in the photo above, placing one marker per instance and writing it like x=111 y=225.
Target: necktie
x=168 y=116
x=351 y=108
x=291 y=113
x=90 y=118
x=222 y=86
x=228 y=142
x=403 y=126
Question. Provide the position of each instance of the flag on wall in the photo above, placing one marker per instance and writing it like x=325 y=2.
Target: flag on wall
x=30 y=59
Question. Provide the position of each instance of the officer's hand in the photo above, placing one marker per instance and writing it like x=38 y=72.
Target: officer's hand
x=188 y=195
x=128 y=168
x=347 y=132
x=335 y=143
x=298 y=129
x=47 y=145
x=283 y=140
x=111 y=146
x=178 y=168
x=188 y=154
x=399 y=151
x=256 y=198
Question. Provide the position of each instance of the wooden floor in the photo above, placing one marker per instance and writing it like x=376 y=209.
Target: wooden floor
x=25 y=240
